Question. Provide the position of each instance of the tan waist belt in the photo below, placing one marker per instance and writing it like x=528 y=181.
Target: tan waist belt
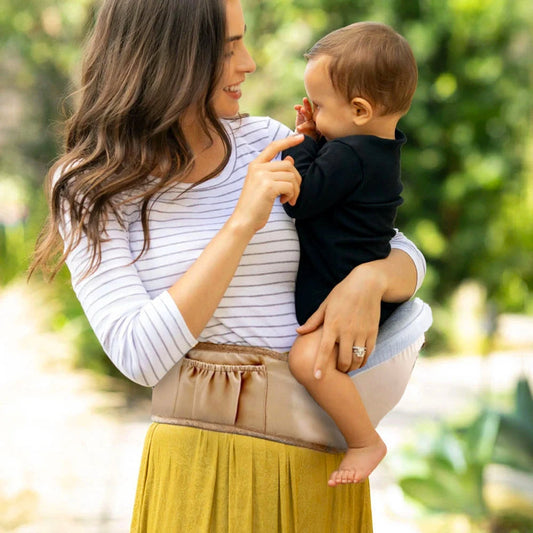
x=250 y=391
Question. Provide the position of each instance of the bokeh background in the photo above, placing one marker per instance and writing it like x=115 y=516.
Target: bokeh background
x=461 y=458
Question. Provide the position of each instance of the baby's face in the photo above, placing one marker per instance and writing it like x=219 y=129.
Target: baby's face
x=332 y=113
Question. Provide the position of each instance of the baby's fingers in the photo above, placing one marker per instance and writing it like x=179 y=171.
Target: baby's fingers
x=307 y=128
x=307 y=108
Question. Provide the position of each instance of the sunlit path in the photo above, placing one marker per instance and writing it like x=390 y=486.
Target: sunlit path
x=69 y=452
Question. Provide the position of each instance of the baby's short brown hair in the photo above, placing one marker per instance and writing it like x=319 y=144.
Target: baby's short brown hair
x=370 y=60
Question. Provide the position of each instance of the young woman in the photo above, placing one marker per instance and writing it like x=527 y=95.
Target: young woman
x=171 y=222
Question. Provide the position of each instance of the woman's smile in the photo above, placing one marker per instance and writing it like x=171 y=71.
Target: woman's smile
x=234 y=91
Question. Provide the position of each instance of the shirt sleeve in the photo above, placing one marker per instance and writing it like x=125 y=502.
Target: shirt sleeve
x=144 y=337
x=401 y=242
x=328 y=174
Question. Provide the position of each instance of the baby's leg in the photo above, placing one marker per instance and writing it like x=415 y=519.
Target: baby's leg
x=338 y=396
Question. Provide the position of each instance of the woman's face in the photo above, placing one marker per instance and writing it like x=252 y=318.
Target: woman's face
x=238 y=63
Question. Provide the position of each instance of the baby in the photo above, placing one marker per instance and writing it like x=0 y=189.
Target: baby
x=360 y=81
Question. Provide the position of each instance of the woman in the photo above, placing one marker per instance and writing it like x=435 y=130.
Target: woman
x=174 y=234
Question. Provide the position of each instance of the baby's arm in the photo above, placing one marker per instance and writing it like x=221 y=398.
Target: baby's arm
x=329 y=174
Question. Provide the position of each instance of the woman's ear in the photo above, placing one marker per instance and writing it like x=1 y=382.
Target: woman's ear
x=362 y=111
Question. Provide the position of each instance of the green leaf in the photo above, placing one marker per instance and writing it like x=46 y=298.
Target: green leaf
x=514 y=445
x=481 y=437
x=449 y=451
x=524 y=401
x=446 y=491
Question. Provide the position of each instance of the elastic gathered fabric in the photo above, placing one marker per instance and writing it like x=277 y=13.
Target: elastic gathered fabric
x=202 y=481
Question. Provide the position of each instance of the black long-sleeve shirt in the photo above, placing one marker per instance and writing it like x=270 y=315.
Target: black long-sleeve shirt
x=345 y=213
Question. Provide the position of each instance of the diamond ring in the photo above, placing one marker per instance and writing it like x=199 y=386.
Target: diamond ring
x=359 y=351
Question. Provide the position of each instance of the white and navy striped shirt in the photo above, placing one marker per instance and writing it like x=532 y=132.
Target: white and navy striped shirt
x=128 y=306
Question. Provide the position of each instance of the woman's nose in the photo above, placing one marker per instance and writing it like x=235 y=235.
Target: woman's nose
x=247 y=64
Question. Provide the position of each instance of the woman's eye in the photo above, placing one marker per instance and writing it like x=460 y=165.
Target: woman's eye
x=230 y=50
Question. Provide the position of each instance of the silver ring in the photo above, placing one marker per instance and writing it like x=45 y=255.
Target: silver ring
x=359 y=351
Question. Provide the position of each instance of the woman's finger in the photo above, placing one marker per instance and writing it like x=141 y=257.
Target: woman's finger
x=288 y=191
x=313 y=322
x=284 y=165
x=359 y=356
x=266 y=181
x=345 y=358
x=268 y=177
x=370 y=345
x=275 y=147
x=325 y=349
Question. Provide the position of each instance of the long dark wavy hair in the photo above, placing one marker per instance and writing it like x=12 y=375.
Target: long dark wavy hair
x=146 y=64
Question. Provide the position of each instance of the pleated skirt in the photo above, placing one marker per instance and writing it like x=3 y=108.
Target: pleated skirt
x=197 y=481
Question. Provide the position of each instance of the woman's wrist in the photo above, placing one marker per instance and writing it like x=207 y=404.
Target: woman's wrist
x=239 y=228
x=393 y=278
x=370 y=276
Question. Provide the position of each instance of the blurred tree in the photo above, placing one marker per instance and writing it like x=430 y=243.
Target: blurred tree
x=39 y=51
x=40 y=45
x=469 y=182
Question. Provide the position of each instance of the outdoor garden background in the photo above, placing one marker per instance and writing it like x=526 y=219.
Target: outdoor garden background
x=461 y=441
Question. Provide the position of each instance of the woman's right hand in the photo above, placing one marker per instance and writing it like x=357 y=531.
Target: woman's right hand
x=267 y=180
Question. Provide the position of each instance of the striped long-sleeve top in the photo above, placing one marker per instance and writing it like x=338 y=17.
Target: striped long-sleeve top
x=127 y=303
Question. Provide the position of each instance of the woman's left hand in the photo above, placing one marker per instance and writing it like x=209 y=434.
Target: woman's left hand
x=350 y=317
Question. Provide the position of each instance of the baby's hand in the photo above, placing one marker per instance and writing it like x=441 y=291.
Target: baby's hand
x=304 y=119
x=304 y=113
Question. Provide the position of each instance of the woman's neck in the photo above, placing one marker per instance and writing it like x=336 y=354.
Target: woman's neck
x=208 y=152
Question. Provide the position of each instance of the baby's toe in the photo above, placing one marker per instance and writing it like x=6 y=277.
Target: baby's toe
x=332 y=482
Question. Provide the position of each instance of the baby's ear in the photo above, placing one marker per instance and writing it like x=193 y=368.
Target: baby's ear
x=362 y=111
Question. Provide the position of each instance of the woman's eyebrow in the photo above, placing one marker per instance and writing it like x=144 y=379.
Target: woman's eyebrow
x=236 y=37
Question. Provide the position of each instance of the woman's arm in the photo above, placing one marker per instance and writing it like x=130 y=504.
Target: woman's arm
x=144 y=336
x=350 y=314
x=199 y=291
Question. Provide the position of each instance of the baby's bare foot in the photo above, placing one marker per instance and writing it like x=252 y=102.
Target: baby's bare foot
x=358 y=463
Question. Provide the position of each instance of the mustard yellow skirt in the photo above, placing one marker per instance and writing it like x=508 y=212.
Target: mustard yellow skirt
x=198 y=481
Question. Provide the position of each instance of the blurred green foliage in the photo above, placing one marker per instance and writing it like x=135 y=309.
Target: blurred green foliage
x=446 y=471
x=39 y=55
x=467 y=166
